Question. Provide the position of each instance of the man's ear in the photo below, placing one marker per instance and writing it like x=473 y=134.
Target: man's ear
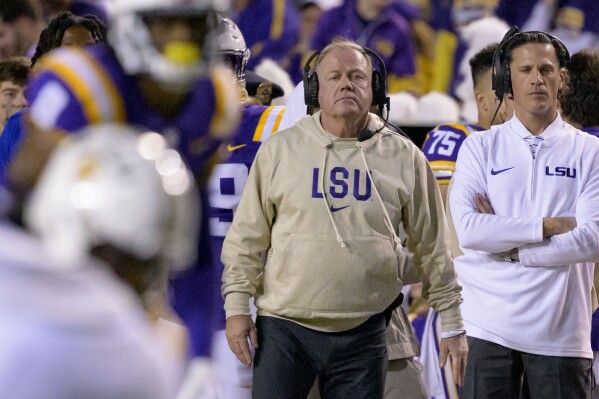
x=562 y=77
x=481 y=100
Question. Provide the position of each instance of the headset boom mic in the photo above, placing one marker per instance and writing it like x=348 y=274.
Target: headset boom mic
x=365 y=135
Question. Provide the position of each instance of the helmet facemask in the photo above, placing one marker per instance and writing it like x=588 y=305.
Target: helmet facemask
x=145 y=45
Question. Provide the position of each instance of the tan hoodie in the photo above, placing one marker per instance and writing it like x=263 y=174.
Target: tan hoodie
x=333 y=261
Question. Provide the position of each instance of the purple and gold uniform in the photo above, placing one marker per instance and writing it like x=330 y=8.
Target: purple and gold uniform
x=78 y=87
x=270 y=29
x=84 y=7
x=389 y=35
x=228 y=178
x=578 y=15
x=441 y=147
x=516 y=12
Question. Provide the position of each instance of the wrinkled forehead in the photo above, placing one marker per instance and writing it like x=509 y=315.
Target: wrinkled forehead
x=344 y=58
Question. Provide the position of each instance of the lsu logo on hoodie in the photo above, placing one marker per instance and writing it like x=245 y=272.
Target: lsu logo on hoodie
x=343 y=182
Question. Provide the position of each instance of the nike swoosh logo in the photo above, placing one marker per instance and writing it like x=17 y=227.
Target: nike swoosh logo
x=232 y=148
x=496 y=172
x=333 y=209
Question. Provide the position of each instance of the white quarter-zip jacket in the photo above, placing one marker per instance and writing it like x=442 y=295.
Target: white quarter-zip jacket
x=541 y=304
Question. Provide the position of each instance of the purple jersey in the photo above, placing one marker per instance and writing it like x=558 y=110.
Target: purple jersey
x=593 y=131
x=389 y=35
x=76 y=87
x=84 y=7
x=441 y=147
x=270 y=29
x=228 y=178
x=579 y=15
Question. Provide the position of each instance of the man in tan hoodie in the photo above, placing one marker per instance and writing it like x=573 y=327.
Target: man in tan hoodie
x=324 y=200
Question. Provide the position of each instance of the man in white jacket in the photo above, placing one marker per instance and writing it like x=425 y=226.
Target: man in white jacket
x=324 y=200
x=527 y=268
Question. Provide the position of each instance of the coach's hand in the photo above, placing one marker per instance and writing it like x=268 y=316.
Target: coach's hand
x=457 y=349
x=239 y=328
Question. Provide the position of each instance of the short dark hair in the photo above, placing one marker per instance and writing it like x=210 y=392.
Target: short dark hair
x=14 y=70
x=523 y=38
x=51 y=37
x=579 y=98
x=11 y=10
x=482 y=62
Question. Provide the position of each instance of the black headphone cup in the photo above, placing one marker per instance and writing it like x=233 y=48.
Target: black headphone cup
x=379 y=79
x=507 y=79
x=311 y=84
x=313 y=90
x=379 y=93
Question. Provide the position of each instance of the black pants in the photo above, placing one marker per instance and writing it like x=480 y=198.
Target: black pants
x=348 y=364
x=494 y=371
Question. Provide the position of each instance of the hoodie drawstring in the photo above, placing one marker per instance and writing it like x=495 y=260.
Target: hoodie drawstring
x=378 y=195
x=324 y=197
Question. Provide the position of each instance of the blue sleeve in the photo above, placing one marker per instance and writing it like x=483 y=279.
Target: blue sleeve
x=270 y=29
x=9 y=140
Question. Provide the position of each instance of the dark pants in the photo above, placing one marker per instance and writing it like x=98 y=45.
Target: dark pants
x=348 y=364
x=494 y=371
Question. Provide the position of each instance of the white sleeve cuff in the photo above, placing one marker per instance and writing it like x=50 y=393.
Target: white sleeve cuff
x=453 y=333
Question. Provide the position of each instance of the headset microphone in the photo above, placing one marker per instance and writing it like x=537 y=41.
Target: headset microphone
x=365 y=135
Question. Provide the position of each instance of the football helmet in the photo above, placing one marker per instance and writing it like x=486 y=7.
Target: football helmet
x=233 y=51
x=110 y=184
x=179 y=64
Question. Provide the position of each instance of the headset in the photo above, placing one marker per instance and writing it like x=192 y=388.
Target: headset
x=501 y=74
x=379 y=82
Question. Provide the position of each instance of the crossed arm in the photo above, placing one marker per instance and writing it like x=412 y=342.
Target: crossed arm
x=551 y=225
x=540 y=241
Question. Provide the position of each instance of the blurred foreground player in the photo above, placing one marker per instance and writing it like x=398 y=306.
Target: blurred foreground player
x=155 y=73
x=101 y=222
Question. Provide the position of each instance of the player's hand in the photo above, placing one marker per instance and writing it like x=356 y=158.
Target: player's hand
x=557 y=225
x=482 y=204
x=457 y=350
x=239 y=329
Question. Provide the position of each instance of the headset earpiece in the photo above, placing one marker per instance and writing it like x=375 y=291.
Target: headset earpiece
x=313 y=91
x=500 y=72
x=379 y=81
x=311 y=84
x=507 y=78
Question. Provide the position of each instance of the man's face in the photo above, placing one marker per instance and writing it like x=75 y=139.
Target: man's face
x=12 y=99
x=77 y=36
x=536 y=79
x=9 y=40
x=345 y=87
x=168 y=30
